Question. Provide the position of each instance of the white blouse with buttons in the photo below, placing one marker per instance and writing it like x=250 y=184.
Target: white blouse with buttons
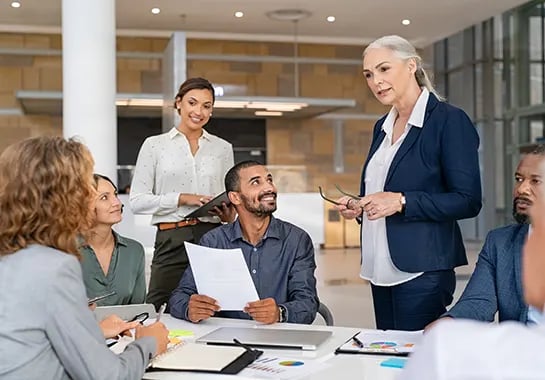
x=166 y=167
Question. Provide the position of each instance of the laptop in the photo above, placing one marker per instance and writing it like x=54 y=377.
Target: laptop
x=268 y=338
x=126 y=312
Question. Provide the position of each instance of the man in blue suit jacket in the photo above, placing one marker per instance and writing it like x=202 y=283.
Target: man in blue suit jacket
x=496 y=285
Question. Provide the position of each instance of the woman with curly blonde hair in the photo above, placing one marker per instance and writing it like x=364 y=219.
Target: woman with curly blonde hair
x=46 y=329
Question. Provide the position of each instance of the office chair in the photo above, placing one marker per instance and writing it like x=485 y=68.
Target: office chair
x=324 y=311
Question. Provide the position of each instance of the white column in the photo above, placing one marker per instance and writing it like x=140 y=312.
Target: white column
x=89 y=79
x=174 y=74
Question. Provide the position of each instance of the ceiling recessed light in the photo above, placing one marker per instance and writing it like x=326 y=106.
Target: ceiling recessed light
x=330 y=18
x=239 y=14
x=155 y=11
x=268 y=113
x=15 y=4
x=406 y=21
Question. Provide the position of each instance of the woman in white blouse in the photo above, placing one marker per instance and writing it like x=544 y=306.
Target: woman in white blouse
x=177 y=172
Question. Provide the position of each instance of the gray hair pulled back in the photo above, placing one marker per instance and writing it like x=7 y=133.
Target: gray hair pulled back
x=405 y=50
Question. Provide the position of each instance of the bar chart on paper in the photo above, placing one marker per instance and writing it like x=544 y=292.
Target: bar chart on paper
x=270 y=367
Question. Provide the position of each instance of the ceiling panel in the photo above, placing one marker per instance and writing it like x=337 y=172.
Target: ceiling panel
x=356 y=22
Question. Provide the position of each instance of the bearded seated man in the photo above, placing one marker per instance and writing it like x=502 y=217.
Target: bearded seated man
x=496 y=286
x=279 y=256
x=509 y=350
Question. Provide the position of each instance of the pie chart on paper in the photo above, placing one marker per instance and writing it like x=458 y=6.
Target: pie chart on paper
x=382 y=345
x=291 y=363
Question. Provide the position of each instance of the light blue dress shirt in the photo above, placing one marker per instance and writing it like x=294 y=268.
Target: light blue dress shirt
x=534 y=315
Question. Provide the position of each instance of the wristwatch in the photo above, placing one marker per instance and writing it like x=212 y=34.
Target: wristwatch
x=282 y=314
x=403 y=202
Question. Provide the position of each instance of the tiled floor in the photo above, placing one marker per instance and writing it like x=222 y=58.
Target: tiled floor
x=345 y=293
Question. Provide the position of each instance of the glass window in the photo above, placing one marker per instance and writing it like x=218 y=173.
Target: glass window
x=478 y=41
x=439 y=83
x=499 y=90
x=530 y=130
x=499 y=154
x=455 y=48
x=468 y=89
x=535 y=35
x=536 y=130
x=439 y=56
x=536 y=83
x=498 y=37
x=455 y=88
x=512 y=34
x=513 y=84
x=479 y=91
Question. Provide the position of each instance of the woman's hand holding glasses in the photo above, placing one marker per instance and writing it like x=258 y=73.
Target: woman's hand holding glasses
x=348 y=207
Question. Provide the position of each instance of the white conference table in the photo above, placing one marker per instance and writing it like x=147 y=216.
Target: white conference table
x=342 y=366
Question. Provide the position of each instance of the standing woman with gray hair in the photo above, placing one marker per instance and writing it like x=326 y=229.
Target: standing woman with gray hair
x=421 y=176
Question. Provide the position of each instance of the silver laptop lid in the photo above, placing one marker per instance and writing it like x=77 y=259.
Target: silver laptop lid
x=126 y=312
x=257 y=337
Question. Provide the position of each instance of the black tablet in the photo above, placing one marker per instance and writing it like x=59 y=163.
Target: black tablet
x=204 y=209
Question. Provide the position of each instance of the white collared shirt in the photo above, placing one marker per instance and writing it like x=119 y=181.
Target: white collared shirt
x=534 y=314
x=166 y=167
x=470 y=350
x=377 y=265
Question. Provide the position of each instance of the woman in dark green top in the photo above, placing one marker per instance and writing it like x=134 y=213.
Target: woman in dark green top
x=111 y=262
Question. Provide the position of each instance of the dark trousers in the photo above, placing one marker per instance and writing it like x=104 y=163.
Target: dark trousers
x=170 y=260
x=413 y=304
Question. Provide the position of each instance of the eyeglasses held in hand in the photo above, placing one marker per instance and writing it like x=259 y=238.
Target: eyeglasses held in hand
x=352 y=196
x=328 y=199
x=355 y=197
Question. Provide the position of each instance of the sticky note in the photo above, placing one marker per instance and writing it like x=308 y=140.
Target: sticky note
x=393 y=363
x=176 y=333
x=174 y=340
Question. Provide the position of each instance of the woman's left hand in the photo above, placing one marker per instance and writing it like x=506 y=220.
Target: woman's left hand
x=381 y=205
x=113 y=326
x=225 y=213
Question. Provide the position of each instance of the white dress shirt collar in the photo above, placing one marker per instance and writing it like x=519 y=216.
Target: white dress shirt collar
x=416 y=119
x=175 y=132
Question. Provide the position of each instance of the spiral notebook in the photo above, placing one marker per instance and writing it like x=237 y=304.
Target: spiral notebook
x=203 y=358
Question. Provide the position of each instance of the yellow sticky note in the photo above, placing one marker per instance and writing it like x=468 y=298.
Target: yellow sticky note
x=174 y=340
x=176 y=333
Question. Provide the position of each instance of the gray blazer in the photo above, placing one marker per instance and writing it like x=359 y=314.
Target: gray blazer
x=496 y=285
x=46 y=329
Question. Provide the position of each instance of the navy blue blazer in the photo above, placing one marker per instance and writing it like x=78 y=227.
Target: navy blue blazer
x=437 y=169
x=496 y=285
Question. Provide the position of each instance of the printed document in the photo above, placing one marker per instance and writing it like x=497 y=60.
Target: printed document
x=223 y=275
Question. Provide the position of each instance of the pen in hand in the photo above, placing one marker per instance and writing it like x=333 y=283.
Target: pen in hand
x=161 y=311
